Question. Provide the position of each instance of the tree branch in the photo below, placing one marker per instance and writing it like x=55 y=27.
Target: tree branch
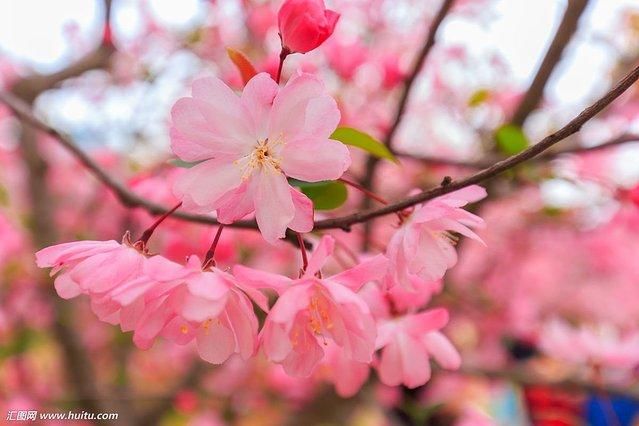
x=569 y=129
x=565 y=32
x=132 y=200
x=547 y=156
x=429 y=43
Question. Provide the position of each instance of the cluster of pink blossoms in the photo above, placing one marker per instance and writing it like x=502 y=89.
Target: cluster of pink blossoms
x=340 y=321
x=246 y=148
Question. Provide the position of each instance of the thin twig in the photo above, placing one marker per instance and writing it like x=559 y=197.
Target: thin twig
x=547 y=156
x=569 y=129
x=427 y=47
x=565 y=32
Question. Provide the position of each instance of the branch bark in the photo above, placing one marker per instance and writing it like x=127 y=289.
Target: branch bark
x=567 y=29
x=427 y=47
x=547 y=156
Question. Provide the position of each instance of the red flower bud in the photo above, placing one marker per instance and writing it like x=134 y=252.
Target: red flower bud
x=305 y=24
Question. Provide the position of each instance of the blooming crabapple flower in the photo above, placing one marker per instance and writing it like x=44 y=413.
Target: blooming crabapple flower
x=247 y=147
x=347 y=375
x=185 y=303
x=407 y=342
x=423 y=247
x=311 y=310
x=91 y=267
x=305 y=24
x=602 y=345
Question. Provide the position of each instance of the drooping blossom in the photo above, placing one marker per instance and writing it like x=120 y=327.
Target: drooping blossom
x=248 y=146
x=424 y=246
x=185 y=303
x=347 y=375
x=305 y=24
x=310 y=310
x=408 y=342
x=91 y=267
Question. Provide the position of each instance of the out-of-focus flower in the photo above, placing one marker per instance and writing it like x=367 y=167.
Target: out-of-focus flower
x=602 y=345
x=312 y=309
x=305 y=24
x=424 y=246
x=407 y=343
x=249 y=145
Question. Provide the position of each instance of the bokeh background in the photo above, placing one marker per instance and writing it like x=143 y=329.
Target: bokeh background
x=545 y=316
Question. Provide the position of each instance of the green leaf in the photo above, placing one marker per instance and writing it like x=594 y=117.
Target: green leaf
x=183 y=164
x=511 y=139
x=354 y=137
x=326 y=195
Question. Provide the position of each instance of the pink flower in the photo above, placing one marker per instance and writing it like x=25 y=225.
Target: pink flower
x=408 y=342
x=185 y=303
x=424 y=246
x=247 y=147
x=602 y=345
x=305 y=24
x=347 y=375
x=311 y=310
x=91 y=267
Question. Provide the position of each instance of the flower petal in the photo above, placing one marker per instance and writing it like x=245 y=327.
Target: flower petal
x=313 y=160
x=274 y=208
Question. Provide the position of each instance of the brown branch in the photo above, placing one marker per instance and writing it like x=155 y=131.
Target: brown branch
x=132 y=200
x=565 y=32
x=483 y=163
x=569 y=129
x=427 y=47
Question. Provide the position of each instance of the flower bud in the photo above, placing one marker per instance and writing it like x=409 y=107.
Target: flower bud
x=305 y=24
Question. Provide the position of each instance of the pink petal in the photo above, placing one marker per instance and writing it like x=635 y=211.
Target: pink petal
x=223 y=110
x=257 y=99
x=274 y=208
x=303 y=220
x=313 y=160
x=194 y=139
x=288 y=116
x=215 y=342
x=209 y=181
x=66 y=287
x=442 y=350
x=320 y=254
x=260 y=279
x=235 y=204
x=372 y=269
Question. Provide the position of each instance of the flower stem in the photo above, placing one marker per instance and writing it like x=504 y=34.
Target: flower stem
x=147 y=234
x=300 y=241
x=210 y=254
x=283 y=54
x=366 y=192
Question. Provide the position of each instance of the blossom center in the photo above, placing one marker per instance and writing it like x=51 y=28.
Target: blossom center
x=319 y=319
x=264 y=156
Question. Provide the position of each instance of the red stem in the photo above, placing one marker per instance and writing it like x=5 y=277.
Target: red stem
x=300 y=241
x=364 y=190
x=283 y=54
x=147 y=234
x=208 y=258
